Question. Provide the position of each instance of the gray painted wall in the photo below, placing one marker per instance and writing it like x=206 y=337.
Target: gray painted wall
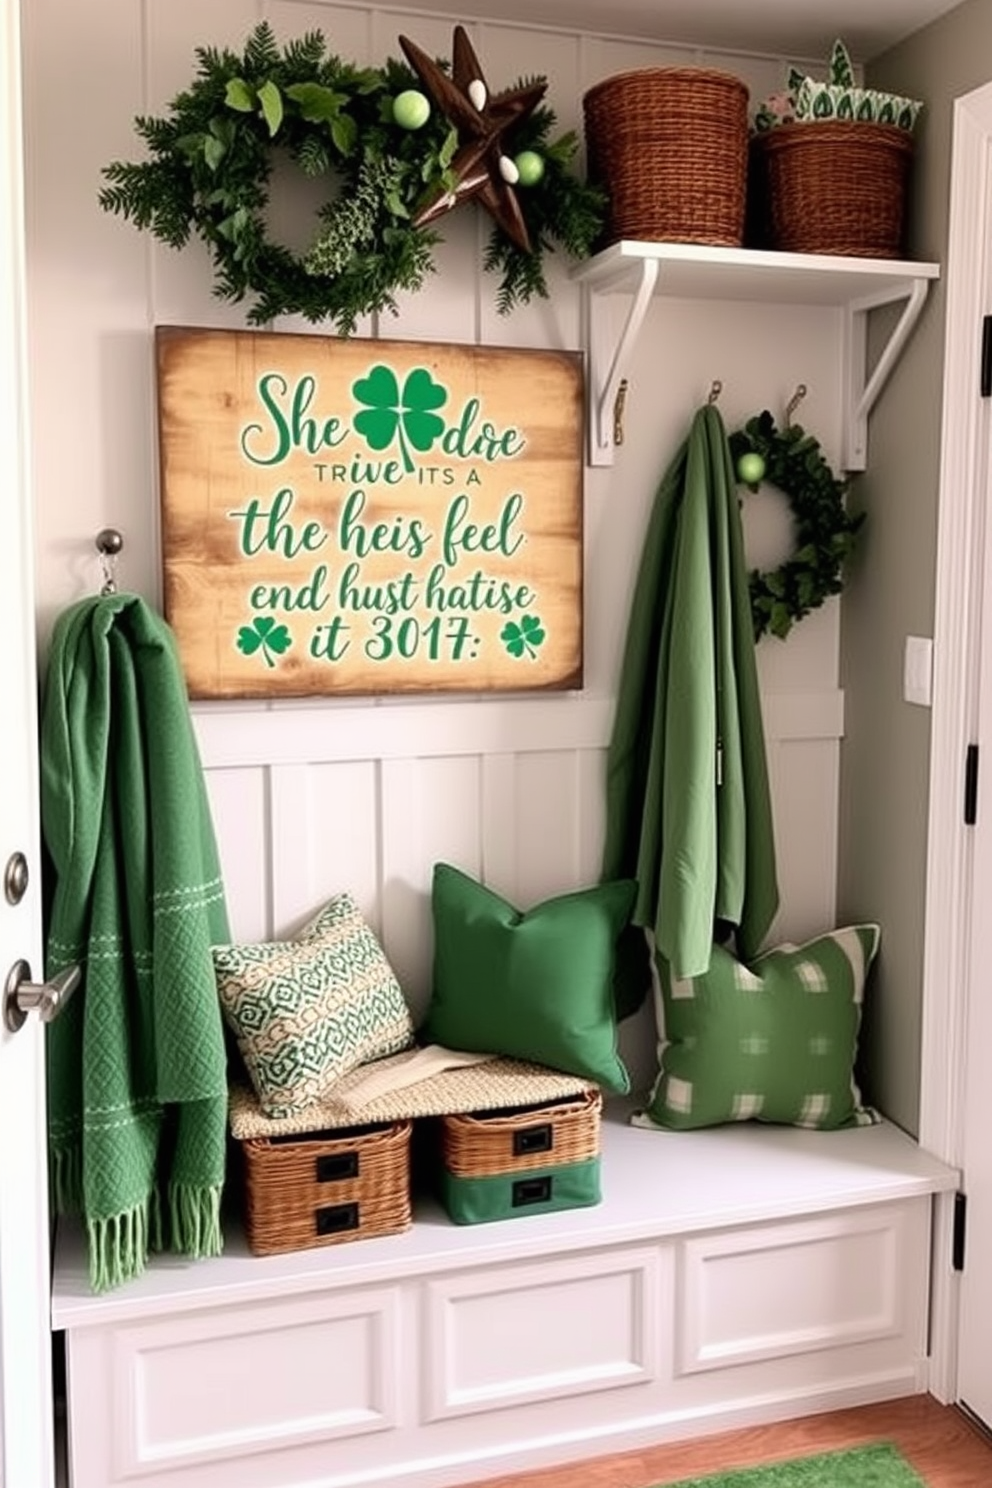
x=885 y=756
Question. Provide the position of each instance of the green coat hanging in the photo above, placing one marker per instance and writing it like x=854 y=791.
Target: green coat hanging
x=688 y=809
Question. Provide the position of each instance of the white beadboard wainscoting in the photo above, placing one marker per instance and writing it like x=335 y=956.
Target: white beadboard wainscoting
x=311 y=800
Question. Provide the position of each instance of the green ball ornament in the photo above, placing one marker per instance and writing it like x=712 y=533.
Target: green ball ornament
x=750 y=468
x=530 y=167
x=411 y=109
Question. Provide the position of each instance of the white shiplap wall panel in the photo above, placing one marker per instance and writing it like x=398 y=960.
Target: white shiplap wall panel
x=760 y=356
x=451 y=316
x=430 y=813
x=500 y=842
x=242 y=735
x=805 y=784
x=324 y=835
x=548 y=814
x=603 y=56
x=241 y=810
x=762 y=75
x=347 y=29
x=516 y=798
x=343 y=817
x=591 y=778
x=91 y=391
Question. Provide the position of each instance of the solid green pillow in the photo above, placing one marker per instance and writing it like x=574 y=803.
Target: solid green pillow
x=535 y=985
x=772 y=1042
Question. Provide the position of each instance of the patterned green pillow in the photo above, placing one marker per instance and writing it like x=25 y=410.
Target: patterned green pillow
x=306 y=1011
x=772 y=1042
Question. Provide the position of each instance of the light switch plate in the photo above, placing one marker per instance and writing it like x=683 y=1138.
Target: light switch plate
x=917 y=671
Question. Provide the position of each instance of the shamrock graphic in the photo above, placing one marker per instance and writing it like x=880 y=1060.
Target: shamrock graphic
x=266 y=636
x=523 y=639
x=409 y=415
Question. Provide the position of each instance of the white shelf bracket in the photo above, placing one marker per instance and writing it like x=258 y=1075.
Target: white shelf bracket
x=862 y=390
x=602 y=400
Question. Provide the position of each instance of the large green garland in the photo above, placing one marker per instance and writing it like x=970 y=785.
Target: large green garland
x=825 y=531
x=211 y=161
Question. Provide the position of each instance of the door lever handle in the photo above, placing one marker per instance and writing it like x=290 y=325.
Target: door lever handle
x=22 y=996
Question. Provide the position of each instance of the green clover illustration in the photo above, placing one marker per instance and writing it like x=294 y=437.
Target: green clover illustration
x=523 y=639
x=409 y=415
x=266 y=636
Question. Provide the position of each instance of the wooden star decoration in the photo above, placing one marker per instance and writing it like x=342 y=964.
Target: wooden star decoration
x=480 y=166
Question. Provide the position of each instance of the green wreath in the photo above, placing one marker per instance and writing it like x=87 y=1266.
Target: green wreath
x=211 y=160
x=793 y=462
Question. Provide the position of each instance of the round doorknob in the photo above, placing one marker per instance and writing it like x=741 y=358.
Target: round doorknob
x=22 y=996
x=15 y=878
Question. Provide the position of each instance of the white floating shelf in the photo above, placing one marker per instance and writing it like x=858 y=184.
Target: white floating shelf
x=853 y=285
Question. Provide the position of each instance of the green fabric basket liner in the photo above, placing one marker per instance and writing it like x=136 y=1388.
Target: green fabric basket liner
x=514 y=1195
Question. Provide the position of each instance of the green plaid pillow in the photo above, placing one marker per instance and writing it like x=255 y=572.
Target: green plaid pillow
x=772 y=1042
x=306 y=1011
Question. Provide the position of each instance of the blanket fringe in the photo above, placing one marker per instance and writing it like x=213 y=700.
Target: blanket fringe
x=118 y=1247
x=66 y=1178
x=194 y=1220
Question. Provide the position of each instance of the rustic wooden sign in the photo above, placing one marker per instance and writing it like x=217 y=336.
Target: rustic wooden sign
x=355 y=516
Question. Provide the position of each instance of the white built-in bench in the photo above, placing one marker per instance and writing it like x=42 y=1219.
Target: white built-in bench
x=732 y=1276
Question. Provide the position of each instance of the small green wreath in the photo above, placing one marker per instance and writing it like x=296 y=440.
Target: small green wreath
x=793 y=462
x=212 y=158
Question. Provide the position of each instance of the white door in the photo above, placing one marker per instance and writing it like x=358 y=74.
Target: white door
x=975 y=1350
x=959 y=990
x=25 y=1341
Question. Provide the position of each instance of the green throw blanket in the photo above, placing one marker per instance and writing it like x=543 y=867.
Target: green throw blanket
x=136 y=1064
x=687 y=800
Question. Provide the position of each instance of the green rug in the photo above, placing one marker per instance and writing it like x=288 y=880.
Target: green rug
x=877 y=1466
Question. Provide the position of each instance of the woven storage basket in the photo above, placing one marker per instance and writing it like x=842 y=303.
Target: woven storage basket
x=669 y=145
x=304 y=1191
x=500 y=1165
x=836 y=187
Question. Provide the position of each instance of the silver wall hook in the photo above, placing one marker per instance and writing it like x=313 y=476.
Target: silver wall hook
x=109 y=544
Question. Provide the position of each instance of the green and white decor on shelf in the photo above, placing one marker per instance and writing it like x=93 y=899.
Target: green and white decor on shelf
x=808 y=99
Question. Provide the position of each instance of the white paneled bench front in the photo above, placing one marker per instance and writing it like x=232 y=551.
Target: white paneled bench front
x=730 y=1276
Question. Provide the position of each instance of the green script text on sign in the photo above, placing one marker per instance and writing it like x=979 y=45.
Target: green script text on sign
x=369 y=516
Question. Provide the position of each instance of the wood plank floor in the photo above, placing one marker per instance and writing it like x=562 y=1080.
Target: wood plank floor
x=939 y=1441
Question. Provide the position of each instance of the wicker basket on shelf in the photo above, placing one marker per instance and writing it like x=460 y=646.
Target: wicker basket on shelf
x=532 y=1160
x=833 y=187
x=308 y=1190
x=669 y=145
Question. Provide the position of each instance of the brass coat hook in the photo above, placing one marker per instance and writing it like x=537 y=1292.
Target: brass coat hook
x=716 y=389
x=618 y=408
x=794 y=402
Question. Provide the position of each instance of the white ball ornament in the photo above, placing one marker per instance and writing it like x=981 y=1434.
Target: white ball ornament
x=508 y=170
x=530 y=167
x=411 y=109
x=476 y=91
